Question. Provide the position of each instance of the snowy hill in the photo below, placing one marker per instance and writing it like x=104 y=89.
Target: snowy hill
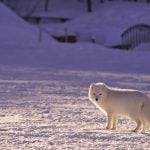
x=20 y=45
x=111 y=20
x=15 y=30
x=107 y=22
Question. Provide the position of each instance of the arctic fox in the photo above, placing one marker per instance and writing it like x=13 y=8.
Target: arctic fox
x=113 y=102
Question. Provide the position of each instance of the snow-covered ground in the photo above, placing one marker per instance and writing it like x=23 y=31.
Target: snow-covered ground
x=50 y=110
x=44 y=84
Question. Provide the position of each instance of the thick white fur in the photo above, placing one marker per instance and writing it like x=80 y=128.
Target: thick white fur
x=113 y=102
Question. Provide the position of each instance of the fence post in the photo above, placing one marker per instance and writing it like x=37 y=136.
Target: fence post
x=40 y=35
x=93 y=39
x=89 y=5
x=46 y=5
x=66 y=35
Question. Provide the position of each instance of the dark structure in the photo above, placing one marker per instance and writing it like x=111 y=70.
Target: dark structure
x=101 y=1
x=135 y=35
x=66 y=39
x=89 y=5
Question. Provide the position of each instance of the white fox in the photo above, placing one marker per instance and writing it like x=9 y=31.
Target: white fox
x=114 y=102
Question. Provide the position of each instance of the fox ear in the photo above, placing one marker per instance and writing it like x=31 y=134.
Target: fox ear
x=103 y=86
x=91 y=85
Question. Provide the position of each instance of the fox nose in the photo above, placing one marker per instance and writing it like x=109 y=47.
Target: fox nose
x=96 y=99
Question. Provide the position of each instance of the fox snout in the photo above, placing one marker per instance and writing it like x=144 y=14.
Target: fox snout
x=97 y=96
x=96 y=99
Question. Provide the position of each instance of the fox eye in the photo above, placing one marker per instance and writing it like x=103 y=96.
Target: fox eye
x=100 y=94
x=94 y=94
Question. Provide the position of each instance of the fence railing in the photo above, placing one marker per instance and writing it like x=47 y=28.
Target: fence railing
x=135 y=35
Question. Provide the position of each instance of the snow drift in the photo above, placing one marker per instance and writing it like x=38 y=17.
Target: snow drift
x=19 y=46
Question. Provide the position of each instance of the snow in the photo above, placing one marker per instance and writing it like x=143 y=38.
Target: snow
x=69 y=10
x=44 y=84
x=15 y=30
x=144 y=47
x=26 y=49
x=107 y=23
x=50 y=110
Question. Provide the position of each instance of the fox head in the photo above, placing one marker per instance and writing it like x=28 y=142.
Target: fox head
x=97 y=92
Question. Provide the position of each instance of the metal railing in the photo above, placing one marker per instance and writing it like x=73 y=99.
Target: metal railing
x=135 y=35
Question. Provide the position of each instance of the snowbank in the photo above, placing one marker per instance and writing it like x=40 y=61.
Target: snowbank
x=107 y=21
x=20 y=46
x=143 y=47
x=15 y=30
x=111 y=20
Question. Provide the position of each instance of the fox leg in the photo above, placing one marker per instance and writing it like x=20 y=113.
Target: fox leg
x=114 y=122
x=139 y=123
x=145 y=126
x=109 y=120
